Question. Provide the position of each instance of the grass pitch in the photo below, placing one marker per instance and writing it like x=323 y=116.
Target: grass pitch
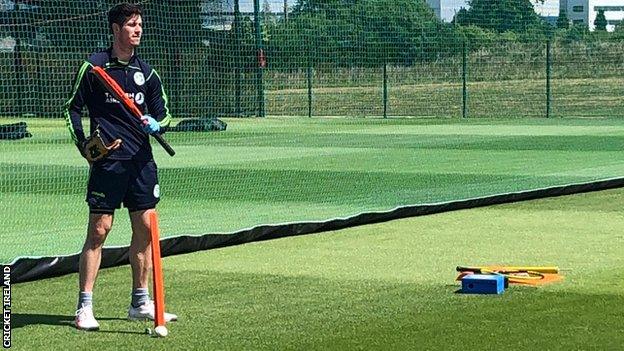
x=277 y=170
x=376 y=287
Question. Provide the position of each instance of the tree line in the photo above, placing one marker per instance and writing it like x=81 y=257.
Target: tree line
x=403 y=32
x=343 y=33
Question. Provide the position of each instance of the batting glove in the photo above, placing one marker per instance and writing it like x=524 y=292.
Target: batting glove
x=150 y=125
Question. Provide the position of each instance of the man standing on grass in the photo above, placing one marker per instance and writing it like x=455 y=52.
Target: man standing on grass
x=122 y=167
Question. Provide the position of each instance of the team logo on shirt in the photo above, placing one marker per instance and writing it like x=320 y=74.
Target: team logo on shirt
x=139 y=98
x=139 y=78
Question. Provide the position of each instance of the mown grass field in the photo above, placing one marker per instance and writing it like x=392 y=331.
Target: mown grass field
x=279 y=170
x=388 y=286
x=591 y=97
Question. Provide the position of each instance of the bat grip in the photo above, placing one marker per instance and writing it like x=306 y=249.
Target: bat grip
x=164 y=144
x=161 y=140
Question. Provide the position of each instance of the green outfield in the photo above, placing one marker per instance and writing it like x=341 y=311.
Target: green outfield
x=379 y=287
x=578 y=97
x=278 y=170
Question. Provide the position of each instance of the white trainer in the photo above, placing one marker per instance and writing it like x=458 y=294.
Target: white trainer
x=85 y=319
x=146 y=312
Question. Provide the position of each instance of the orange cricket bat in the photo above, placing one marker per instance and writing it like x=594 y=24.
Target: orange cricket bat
x=117 y=92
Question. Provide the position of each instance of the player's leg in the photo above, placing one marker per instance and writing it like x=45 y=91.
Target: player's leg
x=141 y=306
x=141 y=199
x=140 y=255
x=106 y=189
x=90 y=258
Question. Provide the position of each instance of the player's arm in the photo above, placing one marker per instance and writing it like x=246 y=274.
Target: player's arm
x=92 y=148
x=73 y=106
x=157 y=102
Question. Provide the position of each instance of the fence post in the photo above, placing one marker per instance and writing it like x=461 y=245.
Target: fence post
x=286 y=12
x=548 y=73
x=238 y=62
x=261 y=59
x=18 y=64
x=464 y=80
x=309 y=73
x=385 y=87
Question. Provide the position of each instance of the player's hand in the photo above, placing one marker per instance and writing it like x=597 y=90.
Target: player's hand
x=95 y=149
x=150 y=125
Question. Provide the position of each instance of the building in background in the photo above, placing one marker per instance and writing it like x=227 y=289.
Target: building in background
x=578 y=11
x=585 y=12
x=219 y=14
x=446 y=9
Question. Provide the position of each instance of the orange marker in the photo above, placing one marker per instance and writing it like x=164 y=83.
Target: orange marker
x=157 y=281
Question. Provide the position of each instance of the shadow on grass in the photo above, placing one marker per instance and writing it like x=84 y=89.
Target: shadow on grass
x=120 y=332
x=19 y=320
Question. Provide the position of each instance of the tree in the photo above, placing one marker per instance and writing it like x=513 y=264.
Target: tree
x=360 y=32
x=181 y=18
x=563 y=22
x=461 y=17
x=502 y=15
x=577 y=32
x=618 y=32
x=476 y=36
x=601 y=21
x=82 y=28
x=268 y=19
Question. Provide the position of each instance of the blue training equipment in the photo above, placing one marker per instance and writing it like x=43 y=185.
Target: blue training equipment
x=483 y=284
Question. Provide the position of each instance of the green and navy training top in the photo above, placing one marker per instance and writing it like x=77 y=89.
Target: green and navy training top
x=140 y=82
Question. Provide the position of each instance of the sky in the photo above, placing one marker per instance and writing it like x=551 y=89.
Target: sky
x=276 y=5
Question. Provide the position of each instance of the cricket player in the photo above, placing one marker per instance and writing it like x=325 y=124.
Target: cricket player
x=122 y=167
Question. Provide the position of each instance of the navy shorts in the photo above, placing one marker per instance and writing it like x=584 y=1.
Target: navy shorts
x=113 y=182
